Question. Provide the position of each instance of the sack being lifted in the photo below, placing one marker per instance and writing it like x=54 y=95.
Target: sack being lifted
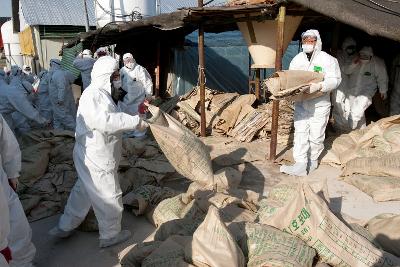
x=292 y=84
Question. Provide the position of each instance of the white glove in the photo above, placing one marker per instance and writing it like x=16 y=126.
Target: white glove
x=383 y=96
x=314 y=87
x=143 y=125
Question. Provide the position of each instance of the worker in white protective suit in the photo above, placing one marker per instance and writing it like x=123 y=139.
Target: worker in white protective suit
x=14 y=97
x=101 y=52
x=311 y=116
x=348 y=59
x=136 y=81
x=43 y=102
x=84 y=62
x=395 y=85
x=370 y=76
x=5 y=252
x=61 y=97
x=97 y=154
x=19 y=239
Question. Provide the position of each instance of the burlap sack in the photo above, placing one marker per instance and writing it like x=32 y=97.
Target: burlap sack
x=138 y=253
x=169 y=209
x=387 y=165
x=186 y=152
x=380 y=188
x=386 y=230
x=291 y=84
x=146 y=197
x=213 y=244
x=169 y=253
x=35 y=160
x=227 y=178
x=267 y=246
x=307 y=216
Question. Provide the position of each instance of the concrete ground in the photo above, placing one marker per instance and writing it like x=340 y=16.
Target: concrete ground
x=82 y=250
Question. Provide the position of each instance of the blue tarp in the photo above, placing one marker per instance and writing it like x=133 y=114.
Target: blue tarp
x=227 y=63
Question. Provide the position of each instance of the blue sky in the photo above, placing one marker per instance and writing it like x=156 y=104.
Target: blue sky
x=5 y=10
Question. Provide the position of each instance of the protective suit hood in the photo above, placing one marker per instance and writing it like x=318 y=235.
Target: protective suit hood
x=318 y=45
x=55 y=64
x=101 y=73
x=349 y=41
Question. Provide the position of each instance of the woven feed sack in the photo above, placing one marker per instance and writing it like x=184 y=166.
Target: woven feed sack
x=184 y=150
x=306 y=216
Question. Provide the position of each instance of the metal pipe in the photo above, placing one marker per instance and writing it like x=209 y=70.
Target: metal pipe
x=278 y=67
x=86 y=16
x=202 y=77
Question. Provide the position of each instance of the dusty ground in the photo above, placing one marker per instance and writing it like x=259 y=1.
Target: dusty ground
x=82 y=250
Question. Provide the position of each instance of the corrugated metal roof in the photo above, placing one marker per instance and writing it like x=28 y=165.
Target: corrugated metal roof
x=168 y=6
x=57 y=12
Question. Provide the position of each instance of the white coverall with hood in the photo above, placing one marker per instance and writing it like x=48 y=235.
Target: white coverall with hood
x=19 y=239
x=4 y=223
x=61 y=97
x=43 y=103
x=97 y=154
x=347 y=58
x=84 y=62
x=136 y=81
x=14 y=98
x=370 y=76
x=311 y=116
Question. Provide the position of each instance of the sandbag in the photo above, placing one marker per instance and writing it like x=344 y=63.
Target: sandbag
x=138 y=253
x=386 y=230
x=62 y=152
x=213 y=244
x=169 y=209
x=169 y=253
x=380 y=188
x=267 y=246
x=187 y=153
x=307 y=216
x=291 y=84
x=146 y=197
x=35 y=160
x=388 y=165
x=43 y=210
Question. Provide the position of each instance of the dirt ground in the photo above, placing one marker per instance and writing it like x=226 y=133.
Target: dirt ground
x=82 y=250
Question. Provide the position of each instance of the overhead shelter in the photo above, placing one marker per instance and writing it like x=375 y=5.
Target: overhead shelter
x=376 y=17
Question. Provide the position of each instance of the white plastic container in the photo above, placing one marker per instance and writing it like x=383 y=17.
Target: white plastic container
x=12 y=48
x=107 y=11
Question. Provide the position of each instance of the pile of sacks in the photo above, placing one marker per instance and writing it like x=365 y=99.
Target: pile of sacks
x=48 y=174
x=370 y=158
x=249 y=2
x=216 y=223
x=233 y=115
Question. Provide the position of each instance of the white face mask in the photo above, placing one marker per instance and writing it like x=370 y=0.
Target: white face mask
x=364 y=61
x=129 y=65
x=307 y=48
x=117 y=84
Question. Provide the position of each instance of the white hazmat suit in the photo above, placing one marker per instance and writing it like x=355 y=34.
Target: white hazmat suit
x=311 y=116
x=19 y=239
x=4 y=223
x=43 y=103
x=84 y=62
x=97 y=153
x=370 y=76
x=136 y=81
x=61 y=97
x=347 y=58
x=12 y=99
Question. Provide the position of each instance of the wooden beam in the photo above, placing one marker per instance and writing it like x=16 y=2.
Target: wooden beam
x=278 y=67
x=202 y=77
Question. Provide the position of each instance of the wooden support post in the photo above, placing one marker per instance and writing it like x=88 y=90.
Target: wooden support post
x=258 y=84
x=278 y=67
x=157 y=85
x=202 y=77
